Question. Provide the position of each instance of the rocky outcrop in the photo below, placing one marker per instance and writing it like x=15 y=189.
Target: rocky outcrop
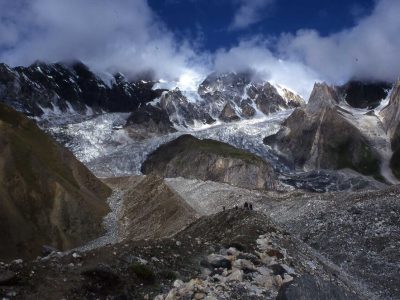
x=228 y=114
x=47 y=196
x=209 y=160
x=361 y=94
x=65 y=88
x=148 y=120
x=319 y=137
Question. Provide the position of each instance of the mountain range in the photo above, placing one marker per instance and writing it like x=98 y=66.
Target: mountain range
x=134 y=187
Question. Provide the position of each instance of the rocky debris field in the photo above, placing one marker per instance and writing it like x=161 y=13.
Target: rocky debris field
x=357 y=232
x=236 y=254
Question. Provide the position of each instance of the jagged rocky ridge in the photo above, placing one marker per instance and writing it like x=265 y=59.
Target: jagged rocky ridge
x=228 y=97
x=47 y=196
x=50 y=90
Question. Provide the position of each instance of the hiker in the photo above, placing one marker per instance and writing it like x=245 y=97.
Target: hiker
x=246 y=206
x=251 y=206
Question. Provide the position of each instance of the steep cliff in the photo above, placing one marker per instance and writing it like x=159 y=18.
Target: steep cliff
x=320 y=137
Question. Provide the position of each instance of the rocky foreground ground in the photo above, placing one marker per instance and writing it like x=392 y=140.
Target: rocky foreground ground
x=237 y=254
x=295 y=245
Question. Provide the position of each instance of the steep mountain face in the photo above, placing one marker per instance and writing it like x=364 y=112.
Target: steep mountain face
x=182 y=111
x=361 y=94
x=391 y=113
x=47 y=196
x=209 y=160
x=391 y=122
x=320 y=137
x=69 y=88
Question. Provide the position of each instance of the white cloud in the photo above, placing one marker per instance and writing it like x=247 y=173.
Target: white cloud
x=126 y=36
x=369 y=50
x=249 y=12
x=121 y=35
x=255 y=55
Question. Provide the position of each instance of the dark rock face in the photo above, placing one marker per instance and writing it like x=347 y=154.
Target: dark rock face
x=47 y=196
x=310 y=287
x=148 y=120
x=391 y=122
x=183 y=112
x=228 y=114
x=319 y=137
x=209 y=160
x=395 y=163
x=268 y=99
x=361 y=94
x=69 y=87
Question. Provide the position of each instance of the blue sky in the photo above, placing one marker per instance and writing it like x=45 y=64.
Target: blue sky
x=294 y=43
x=208 y=21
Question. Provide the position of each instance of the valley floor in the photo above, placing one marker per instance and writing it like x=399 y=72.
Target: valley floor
x=338 y=245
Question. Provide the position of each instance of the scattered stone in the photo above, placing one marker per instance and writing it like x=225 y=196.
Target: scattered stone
x=244 y=265
x=236 y=275
x=17 y=261
x=8 y=278
x=219 y=261
x=47 y=250
x=178 y=283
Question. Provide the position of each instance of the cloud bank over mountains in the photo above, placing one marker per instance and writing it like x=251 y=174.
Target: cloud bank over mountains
x=128 y=36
